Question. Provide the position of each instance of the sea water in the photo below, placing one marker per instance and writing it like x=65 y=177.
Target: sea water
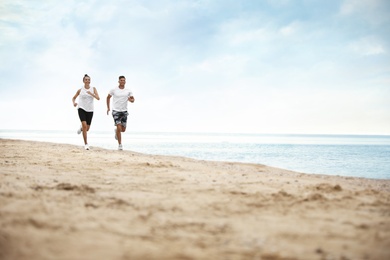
x=345 y=155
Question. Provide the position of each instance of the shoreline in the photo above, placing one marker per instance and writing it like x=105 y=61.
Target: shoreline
x=330 y=155
x=97 y=147
x=58 y=201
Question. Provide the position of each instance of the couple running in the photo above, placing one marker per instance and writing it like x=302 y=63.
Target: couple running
x=88 y=94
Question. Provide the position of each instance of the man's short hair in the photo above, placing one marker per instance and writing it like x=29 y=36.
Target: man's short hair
x=122 y=77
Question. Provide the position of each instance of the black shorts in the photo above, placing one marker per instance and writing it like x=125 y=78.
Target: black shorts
x=85 y=116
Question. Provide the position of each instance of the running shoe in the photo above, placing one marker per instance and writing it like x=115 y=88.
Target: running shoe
x=79 y=130
x=120 y=147
x=116 y=137
x=86 y=147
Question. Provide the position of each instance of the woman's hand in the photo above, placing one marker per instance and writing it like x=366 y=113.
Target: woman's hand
x=95 y=95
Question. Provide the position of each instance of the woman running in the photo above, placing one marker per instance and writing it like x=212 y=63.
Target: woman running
x=86 y=95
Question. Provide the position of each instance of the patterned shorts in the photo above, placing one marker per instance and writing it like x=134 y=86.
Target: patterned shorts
x=120 y=117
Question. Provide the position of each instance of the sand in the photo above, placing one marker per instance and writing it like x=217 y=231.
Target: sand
x=59 y=201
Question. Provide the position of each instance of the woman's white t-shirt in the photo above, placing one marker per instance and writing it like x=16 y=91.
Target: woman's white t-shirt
x=120 y=98
x=85 y=99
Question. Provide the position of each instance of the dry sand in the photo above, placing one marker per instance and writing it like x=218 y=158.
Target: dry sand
x=61 y=202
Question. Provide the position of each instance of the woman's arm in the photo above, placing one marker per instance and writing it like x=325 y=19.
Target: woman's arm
x=96 y=94
x=75 y=96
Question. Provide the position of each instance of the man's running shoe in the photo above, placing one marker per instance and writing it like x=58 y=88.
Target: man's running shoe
x=79 y=130
x=120 y=147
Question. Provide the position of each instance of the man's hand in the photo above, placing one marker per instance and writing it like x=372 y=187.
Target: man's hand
x=131 y=99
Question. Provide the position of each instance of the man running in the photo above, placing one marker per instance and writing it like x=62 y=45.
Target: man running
x=121 y=96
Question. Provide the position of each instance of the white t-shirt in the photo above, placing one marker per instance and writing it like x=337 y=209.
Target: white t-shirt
x=86 y=100
x=120 y=98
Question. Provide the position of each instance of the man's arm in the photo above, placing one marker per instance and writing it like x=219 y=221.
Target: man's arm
x=108 y=103
x=131 y=99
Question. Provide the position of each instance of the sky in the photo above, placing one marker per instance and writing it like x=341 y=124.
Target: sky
x=227 y=66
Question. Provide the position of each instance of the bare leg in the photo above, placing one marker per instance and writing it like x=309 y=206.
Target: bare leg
x=119 y=130
x=85 y=129
x=118 y=133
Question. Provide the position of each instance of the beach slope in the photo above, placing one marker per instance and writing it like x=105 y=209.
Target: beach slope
x=59 y=201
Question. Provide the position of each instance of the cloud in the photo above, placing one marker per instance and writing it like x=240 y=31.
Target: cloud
x=375 y=12
x=356 y=6
x=368 y=46
x=290 y=29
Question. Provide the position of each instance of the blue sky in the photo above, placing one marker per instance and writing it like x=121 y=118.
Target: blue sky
x=277 y=66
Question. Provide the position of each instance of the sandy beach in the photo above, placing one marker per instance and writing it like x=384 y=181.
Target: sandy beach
x=59 y=201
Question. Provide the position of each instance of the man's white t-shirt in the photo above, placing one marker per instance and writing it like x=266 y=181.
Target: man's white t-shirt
x=120 y=98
